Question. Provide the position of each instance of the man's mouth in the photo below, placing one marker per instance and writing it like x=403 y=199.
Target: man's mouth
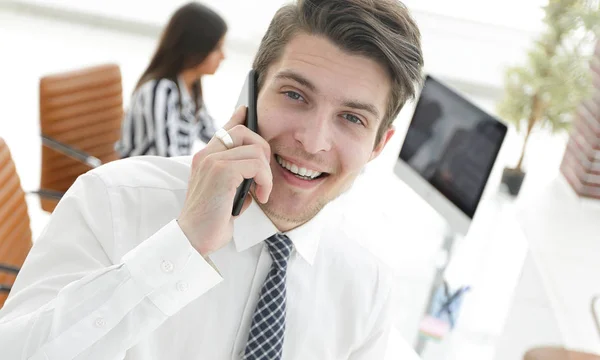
x=299 y=172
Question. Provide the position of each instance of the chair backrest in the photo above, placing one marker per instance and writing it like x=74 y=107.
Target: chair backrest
x=15 y=230
x=82 y=109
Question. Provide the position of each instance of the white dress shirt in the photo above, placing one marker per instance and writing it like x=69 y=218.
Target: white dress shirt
x=113 y=277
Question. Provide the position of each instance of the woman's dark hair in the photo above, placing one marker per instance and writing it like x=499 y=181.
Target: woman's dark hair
x=192 y=33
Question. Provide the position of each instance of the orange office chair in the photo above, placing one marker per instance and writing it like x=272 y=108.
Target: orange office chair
x=80 y=119
x=15 y=231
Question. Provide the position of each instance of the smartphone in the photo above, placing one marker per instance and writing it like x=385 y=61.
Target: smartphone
x=247 y=98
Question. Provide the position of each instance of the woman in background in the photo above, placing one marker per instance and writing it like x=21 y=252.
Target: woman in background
x=167 y=110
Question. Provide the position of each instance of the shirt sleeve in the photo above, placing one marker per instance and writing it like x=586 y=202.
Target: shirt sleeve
x=71 y=301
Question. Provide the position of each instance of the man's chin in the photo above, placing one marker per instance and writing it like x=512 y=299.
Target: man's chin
x=285 y=218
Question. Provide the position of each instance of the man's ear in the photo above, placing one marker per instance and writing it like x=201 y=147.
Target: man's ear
x=383 y=142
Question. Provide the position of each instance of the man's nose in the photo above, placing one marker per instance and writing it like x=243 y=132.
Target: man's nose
x=314 y=133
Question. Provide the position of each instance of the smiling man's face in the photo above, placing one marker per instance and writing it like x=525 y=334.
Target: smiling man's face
x=320 y=109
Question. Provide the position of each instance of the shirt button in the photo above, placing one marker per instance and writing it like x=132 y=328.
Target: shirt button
x=167 y=266
x=183 y=286
x=100 y=322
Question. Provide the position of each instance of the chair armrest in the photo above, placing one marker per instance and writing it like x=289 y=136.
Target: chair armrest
x=71 y=152
x=9 y=268
x=48 y=194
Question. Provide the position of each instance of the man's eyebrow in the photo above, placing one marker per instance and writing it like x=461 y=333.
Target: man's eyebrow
x=294 y=76
x=362 y=106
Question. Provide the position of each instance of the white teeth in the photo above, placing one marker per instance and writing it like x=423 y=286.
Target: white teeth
x=304 y=172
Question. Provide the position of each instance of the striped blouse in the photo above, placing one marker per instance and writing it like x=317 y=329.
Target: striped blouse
x=162 y=122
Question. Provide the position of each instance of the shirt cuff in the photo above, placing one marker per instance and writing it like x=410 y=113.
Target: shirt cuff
x=169 y=270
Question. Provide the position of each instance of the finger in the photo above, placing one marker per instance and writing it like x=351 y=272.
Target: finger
x=253 y=151
x=254 y=169
x=240 y=135
x=238 y=118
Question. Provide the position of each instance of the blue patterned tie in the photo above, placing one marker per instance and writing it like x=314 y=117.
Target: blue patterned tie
x=265 y=340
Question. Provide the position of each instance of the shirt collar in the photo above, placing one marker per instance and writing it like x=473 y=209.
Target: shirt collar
x=253 y=226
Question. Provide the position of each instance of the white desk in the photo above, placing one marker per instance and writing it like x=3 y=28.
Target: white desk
x=406 y=233
x=489 y=259
x=552 y=305
x=564 y=236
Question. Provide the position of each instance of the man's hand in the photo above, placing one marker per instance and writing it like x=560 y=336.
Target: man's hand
x=216 y=173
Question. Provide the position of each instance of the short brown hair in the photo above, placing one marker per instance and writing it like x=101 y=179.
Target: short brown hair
x=382 y=30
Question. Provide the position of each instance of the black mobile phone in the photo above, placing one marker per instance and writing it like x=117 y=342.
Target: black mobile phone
x=247 y=98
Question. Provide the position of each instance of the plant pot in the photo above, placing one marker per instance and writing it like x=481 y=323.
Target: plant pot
x=513 y=179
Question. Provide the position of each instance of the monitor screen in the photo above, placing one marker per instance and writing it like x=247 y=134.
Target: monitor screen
x=452 y=144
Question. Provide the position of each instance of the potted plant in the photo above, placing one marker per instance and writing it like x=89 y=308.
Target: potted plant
x=546 y=90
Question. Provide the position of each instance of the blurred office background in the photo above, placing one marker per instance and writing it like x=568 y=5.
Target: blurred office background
x=529 y=260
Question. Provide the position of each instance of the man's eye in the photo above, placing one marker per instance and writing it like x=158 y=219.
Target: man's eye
x=294 y=95
x=353 y=119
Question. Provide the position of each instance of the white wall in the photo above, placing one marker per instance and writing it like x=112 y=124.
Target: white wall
x=468 y=41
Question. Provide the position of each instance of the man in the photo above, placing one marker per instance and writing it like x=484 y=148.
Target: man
x=137 y=261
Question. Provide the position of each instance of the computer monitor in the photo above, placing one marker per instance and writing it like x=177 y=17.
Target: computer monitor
x=448 y=152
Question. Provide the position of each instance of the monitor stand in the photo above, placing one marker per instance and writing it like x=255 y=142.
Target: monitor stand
x=441 y=262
